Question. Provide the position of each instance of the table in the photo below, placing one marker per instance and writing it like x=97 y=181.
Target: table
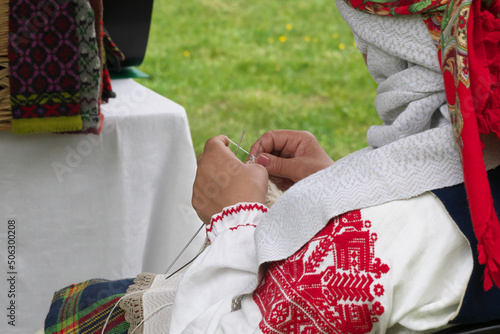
x=111 y=206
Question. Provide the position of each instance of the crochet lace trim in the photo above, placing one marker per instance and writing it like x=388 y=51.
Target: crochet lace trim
x=132 y=305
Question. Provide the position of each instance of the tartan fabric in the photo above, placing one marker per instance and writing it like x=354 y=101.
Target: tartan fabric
x=84 y=307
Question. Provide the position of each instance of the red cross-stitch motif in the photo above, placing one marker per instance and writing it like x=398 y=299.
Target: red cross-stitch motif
x=327 y=286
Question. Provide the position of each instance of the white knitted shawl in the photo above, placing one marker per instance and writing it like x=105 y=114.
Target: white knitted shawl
x=412 y=152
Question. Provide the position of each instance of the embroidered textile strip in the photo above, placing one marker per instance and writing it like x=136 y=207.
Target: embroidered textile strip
x=338 y=298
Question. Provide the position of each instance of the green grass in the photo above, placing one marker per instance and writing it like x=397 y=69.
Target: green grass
x=223 y=61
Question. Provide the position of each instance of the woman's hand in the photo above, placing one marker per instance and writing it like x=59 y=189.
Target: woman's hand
x=289 y=156
x=223 y=180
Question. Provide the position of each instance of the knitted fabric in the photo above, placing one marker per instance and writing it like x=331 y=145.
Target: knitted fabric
x=43 y=66
x=150 y=302
x=89 y=65
x=132 y=303
x=105 y=89
x=99 y=29
x=411 y=153
x=158 y=301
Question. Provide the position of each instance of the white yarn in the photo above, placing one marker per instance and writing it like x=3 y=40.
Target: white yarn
x=273 y=193
x=412 y=152
x=175 y=281
x=150 y=316
x=161 y=292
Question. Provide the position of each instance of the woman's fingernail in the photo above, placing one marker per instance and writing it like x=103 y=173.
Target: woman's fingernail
x=263 y=160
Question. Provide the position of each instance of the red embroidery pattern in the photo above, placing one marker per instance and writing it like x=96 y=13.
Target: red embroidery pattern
x=234 y=210
x=238 y=226
x=327 y=286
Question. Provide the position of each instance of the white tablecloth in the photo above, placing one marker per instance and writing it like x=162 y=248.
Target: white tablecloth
x=86 y=206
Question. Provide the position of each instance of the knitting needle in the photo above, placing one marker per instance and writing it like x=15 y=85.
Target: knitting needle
x=253 y=157
x=241 y=138
x=232 y=142
x=185 y=247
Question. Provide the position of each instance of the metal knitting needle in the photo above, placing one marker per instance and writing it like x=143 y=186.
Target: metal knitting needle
x=258 y=149
x=253 y=157
x=232 y=142
x=241 y=138
x=185 y=247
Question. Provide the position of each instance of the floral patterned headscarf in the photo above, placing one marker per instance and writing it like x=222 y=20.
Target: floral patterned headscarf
x=467 y=37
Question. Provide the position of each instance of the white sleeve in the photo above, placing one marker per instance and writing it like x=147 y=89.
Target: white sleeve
x=226 y=269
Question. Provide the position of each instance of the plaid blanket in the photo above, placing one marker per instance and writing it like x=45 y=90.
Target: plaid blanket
x=84 y=307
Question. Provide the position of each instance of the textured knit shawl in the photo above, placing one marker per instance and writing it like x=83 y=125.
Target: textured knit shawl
x=468 y=36
x=414 y=151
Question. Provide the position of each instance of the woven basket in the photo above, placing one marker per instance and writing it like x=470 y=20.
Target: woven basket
x=5 y=107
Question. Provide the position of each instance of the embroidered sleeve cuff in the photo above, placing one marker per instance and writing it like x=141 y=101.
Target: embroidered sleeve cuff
x=234 y=217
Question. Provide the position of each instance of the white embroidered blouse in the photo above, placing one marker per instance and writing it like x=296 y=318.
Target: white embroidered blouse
x=399 y=267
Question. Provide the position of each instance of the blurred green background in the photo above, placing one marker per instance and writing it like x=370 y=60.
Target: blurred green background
x=261 y=65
